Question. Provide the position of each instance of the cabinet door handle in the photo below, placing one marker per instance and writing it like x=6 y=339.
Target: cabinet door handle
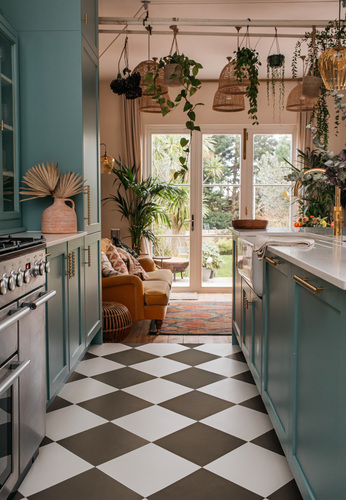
x=85 y=19
x=272 y=261
x=89 y=256
x=304 y=282
x=69 y=272
x=89 y=206
x=246 y=303
x=73 y=264
x=2 y=125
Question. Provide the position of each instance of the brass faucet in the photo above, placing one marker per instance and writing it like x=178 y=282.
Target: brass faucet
x=337 y=218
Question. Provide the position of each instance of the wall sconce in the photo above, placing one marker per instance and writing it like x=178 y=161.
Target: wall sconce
x=107 y=162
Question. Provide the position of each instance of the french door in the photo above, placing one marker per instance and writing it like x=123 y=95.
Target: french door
x=233 y=173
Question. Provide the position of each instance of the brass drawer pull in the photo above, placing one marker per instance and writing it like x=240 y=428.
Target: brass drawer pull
x=89 y=205
x=246 y=303
x=69 y=271
x=2 y=125
x=73 y=264
x=85 y=19
x=304 y=282
x=272 y=261
x=89 y=256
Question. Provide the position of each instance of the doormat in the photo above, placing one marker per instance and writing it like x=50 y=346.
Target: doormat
x=184 y=296
x=197 y=318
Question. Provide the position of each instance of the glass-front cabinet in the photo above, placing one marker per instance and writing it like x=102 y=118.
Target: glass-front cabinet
x=9 y=168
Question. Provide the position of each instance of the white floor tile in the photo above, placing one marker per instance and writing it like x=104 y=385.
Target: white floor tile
x=84 y=389
x=153 y=423
x=105 y=349
x=219 y=349
x=53 y=465
x=155 y=468
x=159 y=367
x=157 y=390
x=95 y=366
x=224 y=366
x=241 y=422
x=231 y=390
x=162 y=349
x=70 y=420
x=253 y=467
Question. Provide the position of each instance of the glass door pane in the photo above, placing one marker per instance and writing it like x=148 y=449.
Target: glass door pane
x=220 y=205
x=173 y=241
x=271 y=192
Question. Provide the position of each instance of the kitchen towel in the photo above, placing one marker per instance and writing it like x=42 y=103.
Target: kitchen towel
x=262 y=242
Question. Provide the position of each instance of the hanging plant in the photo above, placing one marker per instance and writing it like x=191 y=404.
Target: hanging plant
x=316 y=43
x=185 y=71
x=276 y=72
x=128 y=84
x=246 y=66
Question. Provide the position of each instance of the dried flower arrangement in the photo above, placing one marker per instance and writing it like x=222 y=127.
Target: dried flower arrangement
x=46 y=180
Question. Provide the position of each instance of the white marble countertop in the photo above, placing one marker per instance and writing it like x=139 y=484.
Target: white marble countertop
x=326 y=260
x=55 y=239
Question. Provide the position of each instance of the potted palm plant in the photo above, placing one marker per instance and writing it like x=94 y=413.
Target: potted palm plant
x=139 y=202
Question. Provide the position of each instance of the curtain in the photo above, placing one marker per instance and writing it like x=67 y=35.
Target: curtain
x=304 y=134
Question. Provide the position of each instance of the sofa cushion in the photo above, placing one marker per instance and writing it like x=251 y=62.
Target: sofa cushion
x=156 y=293
x=160 y=275
x=116 y=260
x=106 y=266
x=133 y=265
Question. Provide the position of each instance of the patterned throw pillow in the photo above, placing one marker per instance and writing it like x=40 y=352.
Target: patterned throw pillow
x=118 y=243
x=106 y=266
x=133 y=265
x=115 y=259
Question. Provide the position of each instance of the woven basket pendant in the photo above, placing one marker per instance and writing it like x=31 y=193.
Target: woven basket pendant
x=59 y=218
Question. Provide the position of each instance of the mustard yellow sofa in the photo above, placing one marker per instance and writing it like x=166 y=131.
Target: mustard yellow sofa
x=146 y=299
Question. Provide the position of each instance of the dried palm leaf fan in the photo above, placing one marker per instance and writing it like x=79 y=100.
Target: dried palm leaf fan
x=296 y=101
x=228 y=103
x=332 y=64
x=228 y=84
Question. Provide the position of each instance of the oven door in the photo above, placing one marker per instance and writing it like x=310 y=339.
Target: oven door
x=9 y=424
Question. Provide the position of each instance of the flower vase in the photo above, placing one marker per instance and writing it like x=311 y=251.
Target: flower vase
x=59 y=218
x=206 y=274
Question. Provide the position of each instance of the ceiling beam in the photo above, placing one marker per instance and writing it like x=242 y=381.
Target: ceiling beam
x=199 y=33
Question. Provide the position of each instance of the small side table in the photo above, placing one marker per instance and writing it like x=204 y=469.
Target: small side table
x=116 y=321
x=160 y=258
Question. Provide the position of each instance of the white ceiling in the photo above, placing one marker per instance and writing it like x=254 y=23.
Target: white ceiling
x=211 y=51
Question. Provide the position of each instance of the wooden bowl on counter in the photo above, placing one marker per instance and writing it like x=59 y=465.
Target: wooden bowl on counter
x=249 y=224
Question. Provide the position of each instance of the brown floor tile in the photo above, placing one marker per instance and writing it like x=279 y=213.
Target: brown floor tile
x=192 y=357
x=238 y=356
x=58 y=403
x=114 y=405
x=124 y=377
x=103 y=443
x=255 y=403
x=270 y=441
x=196 y=405
x=194 y=377
x=130 y=357
x=245 y=377
x=200 y=443
x=77 y=376
x=288 y=492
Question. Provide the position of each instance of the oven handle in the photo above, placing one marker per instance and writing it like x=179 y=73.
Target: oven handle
x=19 y=368
x=14 y=316
x=43 y=297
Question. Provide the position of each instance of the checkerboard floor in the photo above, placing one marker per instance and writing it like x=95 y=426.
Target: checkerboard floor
x=160 y=422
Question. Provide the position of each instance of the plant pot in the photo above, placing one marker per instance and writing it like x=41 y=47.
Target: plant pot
x=172 y=69
x=206 y=274
x=59 y=218
x=276 y=60
x=311 y=86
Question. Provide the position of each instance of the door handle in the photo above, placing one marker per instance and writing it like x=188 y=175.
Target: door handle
x=17 y=370
x=192 y=220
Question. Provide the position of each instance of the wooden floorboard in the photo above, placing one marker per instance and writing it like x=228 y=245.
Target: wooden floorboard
x=139 y=331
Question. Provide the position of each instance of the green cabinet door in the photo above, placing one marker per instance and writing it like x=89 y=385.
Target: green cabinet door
x=92 y=216
x=75 y=300
x=89 y=20
x=246 y=321
x=56 y=321
x=92 y=286
x=278 y=359
x=319 y=436
x=237 y=298
x=257 y=340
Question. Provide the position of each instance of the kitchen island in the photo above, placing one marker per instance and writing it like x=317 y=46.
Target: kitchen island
x=294 y=340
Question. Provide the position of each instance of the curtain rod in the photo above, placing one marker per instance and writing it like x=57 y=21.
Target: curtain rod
x=243 y=23
x=200 y=33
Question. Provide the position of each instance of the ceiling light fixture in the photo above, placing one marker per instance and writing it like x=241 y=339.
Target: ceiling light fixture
x=107 y=162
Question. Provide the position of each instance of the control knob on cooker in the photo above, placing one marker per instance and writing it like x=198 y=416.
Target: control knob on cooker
x=3 y=285
x=38 y=268
x=27 y=276
x=11 y=282
x=47 y=267
x=41 y=267
x=19 y=277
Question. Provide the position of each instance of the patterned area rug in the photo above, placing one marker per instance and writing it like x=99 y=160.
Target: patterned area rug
x=198 y=318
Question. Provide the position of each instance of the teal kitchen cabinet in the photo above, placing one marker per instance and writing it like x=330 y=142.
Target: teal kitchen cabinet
x=237 y=298
x=9 y=129
x=278 y=347
x=92 y=286
x=59 y=98
x=252 y=331
x=89 y=20
x=58 y=366
x=319 y=381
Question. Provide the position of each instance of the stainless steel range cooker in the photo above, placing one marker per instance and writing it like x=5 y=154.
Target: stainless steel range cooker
x=22 y=355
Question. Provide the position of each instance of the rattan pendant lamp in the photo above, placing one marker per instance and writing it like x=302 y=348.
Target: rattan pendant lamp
x=297 y=102
x=228 y=84
x=228 y=103
x=332 y=64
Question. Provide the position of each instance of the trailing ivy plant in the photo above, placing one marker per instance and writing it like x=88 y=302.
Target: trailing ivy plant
x=276 y=72
x=187 y=74
x=316 y=43
x=246 y=66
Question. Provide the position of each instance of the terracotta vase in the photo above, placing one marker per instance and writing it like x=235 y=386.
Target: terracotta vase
x=59 y=218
